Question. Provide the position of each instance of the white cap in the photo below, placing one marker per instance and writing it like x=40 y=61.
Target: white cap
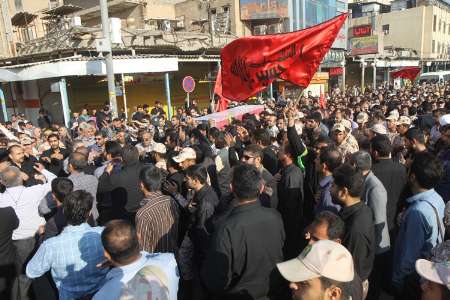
x=159 y=148
x=323 y=258
x=362 y=117
x=379 y=129
x=435 y=272
x=186 y=153
x=404 y=120
x=444 y=120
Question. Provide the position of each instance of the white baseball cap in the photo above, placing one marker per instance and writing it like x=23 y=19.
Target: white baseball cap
x=322 y=259
x=159 y=148
x=435 y=272
x=444 y=120
x=186 y=153
x=379 y=129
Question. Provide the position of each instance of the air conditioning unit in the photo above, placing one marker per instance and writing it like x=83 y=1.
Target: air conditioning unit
x=260 y=30
x=75 y=21
x=166 y=26
x=274 y=29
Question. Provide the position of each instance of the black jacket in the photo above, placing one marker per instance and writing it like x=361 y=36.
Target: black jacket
x=8 y=223
x=241 y=263
x=270 y=160
x=359 y=237
x=55 y=166
x=126 y=183
x=290 y=205
x=394 y=178
x=201 y=225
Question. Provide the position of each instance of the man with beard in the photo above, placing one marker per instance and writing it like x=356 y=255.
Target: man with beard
x=53 y=158
x=25 y=164
x=359 y=236
x=323 y=270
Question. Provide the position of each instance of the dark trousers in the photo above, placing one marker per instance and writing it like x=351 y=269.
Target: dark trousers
x=7 y=275
x=24 y=249
x=379 y=280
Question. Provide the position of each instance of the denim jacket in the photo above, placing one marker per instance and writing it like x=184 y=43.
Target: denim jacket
x=418 y=233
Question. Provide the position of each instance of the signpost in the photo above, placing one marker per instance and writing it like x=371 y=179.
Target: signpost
x=188 y=87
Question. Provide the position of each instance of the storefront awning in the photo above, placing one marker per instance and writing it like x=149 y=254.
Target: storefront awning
x=90 y=66
x=396 y=63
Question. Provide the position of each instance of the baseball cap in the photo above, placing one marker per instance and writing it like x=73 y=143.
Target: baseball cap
x=339 y=127
x=392 y=116
x=324 y=258
x=404 y=120
x=438 y=268
x=362 y=117
x=379 y=129
x=159 y=148
x=444 y=120
x=347 y=124
x=186 y=153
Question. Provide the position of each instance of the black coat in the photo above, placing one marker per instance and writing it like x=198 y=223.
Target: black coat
x=394 y=178
x=290 y=205
x=55 y=166
x=8 y=223
x=359 y=237
x=125 y=183
x=241 y=263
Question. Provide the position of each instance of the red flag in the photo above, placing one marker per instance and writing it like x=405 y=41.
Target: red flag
x=250 y=64
x=406 y=72
x=222 y=103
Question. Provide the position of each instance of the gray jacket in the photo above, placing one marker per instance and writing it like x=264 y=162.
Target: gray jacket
x=375 y=196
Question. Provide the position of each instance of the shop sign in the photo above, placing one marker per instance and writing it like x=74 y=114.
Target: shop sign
x=336 y=71
x=363 y=30
x=364 y=45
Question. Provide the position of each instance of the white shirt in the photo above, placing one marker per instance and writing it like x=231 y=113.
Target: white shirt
x=25 y=202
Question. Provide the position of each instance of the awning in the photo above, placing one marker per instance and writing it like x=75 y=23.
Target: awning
x=397 y=63
x=6 y=76
x=90 y=66
x=63 y=10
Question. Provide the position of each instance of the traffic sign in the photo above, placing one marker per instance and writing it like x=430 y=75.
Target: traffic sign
x=188 y=84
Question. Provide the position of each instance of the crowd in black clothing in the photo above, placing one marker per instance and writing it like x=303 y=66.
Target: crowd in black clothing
x=369 y=170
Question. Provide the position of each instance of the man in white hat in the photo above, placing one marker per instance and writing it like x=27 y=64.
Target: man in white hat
x=435 y=273
x=159 y=155
x=186 y=158
x=323 y=270
x=341 y=138
x=377 y=129
x=391 y=124
x=444 y=123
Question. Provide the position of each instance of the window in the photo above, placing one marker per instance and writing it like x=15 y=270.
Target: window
x=434 y=23
x=386 y=29
x=439 y=48
x=448 y=28
x=440 y=26
x=432 y=46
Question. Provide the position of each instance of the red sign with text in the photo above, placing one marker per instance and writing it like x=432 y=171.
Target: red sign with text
x=364 y=30
x=336 y=71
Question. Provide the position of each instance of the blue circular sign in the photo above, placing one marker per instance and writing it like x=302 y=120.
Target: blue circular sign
x=188 y=84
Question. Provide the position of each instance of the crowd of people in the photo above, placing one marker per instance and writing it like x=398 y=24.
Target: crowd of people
x=311 y=200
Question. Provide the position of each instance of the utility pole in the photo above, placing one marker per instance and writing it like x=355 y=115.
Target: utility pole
x=374 y=74
x=108 y=58
x=363 y=70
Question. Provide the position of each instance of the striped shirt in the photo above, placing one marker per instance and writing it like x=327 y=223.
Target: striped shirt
x=157 y=224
